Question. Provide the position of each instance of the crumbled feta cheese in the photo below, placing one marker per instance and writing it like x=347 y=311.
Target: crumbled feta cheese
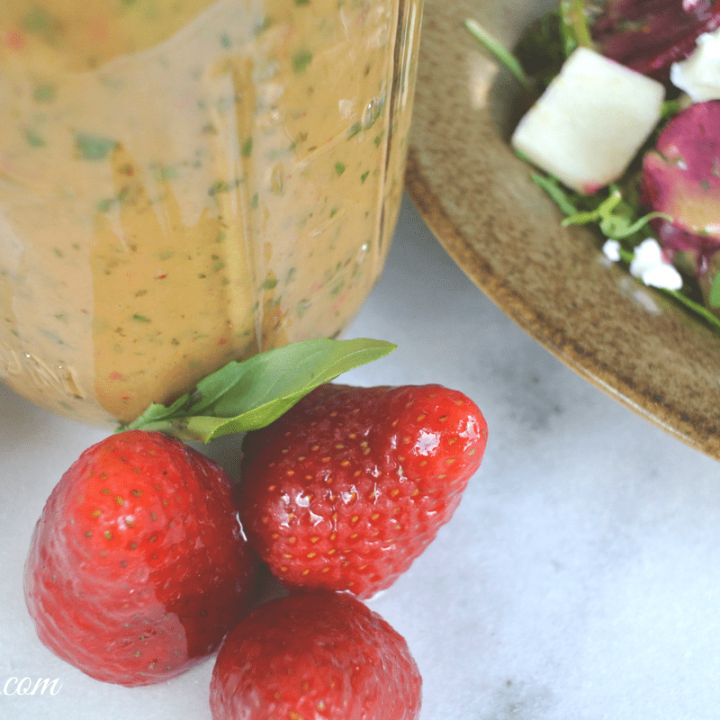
x=699 y=75
x=590 y=122
x=650 y=266
x=611 y=248
x=662 y=276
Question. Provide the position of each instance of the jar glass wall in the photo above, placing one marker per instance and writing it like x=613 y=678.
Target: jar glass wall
x=187 y=183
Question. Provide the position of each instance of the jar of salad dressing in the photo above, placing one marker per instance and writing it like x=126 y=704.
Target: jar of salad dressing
x=187 y=182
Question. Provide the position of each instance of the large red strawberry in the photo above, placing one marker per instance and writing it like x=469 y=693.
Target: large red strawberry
x=138 y=566
x=347 y=488
x=315 y=655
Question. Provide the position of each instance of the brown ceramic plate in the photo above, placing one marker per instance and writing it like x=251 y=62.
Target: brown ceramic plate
x=504 y=232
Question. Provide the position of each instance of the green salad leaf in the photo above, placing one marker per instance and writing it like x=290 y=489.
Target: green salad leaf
x=613 y=217
x=540 y=50
x=250 y=394
x=714 y=296
x=555 y=190
x=617 y=219
x=501 y=54
x=574 y=25
x=615 y=213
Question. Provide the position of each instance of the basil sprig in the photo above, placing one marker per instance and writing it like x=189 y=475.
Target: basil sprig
x=251 y=394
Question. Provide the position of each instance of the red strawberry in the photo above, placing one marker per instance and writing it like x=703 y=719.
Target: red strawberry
x=347 y=488
x=315 y=655
x=138 y=565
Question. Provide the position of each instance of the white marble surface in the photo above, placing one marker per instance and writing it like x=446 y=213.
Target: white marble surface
x=580 y=577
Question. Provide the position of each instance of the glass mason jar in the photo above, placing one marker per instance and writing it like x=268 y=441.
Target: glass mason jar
x=185 y=183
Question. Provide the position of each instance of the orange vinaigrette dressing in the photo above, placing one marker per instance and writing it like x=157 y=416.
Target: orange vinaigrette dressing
x=186 y=183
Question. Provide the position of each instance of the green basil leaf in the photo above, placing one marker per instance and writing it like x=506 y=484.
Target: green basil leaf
x=251 y=394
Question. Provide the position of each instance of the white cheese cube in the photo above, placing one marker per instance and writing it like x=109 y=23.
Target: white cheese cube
x=590 y=122
x=699 y=75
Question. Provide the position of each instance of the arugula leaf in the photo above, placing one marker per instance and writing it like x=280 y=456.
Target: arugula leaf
x=574 y=25
x=540 y=49
x=700 y=310
x=556 y=192
x=714 y=296
x=615 y=218
x=501 y=53
x=251 y=394
x=616 y=225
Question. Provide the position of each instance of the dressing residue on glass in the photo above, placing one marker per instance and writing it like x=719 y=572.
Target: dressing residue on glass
x=186 y=183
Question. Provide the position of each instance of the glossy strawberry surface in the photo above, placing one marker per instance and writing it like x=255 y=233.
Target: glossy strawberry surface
x=138 y=566
x=315 y=656
x=346 y=489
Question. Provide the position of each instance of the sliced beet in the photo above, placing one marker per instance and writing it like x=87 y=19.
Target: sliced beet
x=650 y=35
x=681 y=177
